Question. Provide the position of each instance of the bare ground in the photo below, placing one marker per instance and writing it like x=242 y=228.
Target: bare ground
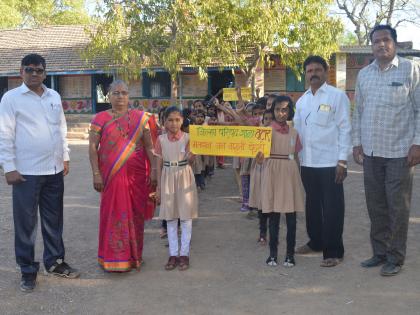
x=227 y=275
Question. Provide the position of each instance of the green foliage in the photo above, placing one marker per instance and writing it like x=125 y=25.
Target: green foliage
x=31 y=13
x=241 y=33
x=348 y=38
x=10 y=14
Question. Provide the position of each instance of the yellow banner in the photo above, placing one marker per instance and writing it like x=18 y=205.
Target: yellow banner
x=229 y=94
x=241 y=141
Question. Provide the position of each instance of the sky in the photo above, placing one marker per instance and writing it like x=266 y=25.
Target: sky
x=407 y=32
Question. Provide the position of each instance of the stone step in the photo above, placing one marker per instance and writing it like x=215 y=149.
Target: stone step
x=79 y=118
x=77 y=135
x=77 y=125
x=77 y=129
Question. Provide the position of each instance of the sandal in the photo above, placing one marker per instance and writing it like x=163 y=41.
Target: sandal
x=184 y=263
x=262 y=241
x=163 y=233
x=330 y=262
x=172 y=263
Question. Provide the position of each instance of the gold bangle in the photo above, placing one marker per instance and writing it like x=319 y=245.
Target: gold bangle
x=97 y=173
x=342 y=165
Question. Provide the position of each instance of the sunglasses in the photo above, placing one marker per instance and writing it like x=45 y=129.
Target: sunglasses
x=31 y=70
x=118 y=93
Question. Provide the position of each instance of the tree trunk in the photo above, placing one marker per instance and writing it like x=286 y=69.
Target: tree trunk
x=174 y=91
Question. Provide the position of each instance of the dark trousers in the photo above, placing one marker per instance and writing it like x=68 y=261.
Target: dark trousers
x=45 y=192
x=274 y=226
x=199 y=180
x=324 y=211
x=388 y=187
x=263 y=218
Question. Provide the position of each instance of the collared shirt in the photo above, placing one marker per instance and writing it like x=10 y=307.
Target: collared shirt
x=284 y=130
x=386 y=120
x=175 y=137
x=323 y=123
x=32 y=132
x=171 y=137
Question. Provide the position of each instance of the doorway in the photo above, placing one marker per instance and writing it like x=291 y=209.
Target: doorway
x=219 y=80
x=101 y=83
x=3 y=86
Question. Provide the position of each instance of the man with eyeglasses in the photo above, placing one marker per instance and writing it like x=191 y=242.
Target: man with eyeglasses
x=35 y=157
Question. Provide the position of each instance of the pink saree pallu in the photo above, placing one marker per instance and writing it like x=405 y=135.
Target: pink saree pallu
x=125 y=204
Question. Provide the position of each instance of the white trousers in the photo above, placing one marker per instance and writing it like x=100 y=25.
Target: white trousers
x=186 y=231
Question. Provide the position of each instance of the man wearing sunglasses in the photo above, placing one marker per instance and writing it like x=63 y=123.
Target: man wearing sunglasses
x=35 y=157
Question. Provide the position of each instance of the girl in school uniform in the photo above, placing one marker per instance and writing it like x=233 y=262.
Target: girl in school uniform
x=176 y=190
x=255 y=187
x=281 y=187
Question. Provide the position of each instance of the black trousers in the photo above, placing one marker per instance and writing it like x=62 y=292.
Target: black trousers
x=274 y=226
x=45 y=192
x=263 y=219
x=324 y=211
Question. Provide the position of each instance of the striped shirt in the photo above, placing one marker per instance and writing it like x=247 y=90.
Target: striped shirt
x=386 y=120
x=32 y=132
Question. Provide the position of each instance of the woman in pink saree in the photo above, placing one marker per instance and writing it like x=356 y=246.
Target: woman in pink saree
x=120 y=151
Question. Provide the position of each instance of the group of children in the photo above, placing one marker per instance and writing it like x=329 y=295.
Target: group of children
x=270 y=185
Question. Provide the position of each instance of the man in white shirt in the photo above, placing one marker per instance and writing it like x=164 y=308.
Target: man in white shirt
x=322 y=119
x=35 y=157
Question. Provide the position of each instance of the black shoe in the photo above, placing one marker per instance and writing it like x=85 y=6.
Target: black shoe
x=271 y=261
x=289 y=261
x=62 y=269
x=28 y=282
x=390 y=269
x=373 y=262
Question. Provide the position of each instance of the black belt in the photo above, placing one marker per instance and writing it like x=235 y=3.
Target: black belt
x=280 y=156
x=175 y=163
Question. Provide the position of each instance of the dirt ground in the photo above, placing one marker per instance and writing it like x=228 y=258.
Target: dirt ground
x=228 y=274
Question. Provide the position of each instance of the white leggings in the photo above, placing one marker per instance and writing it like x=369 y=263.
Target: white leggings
x=186 y=231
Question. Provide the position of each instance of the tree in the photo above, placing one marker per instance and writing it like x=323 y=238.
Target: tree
x=9 y=13
x=365 y=14
x=348 y=38
x=242 y=33
x=33 y=13
x=249 y=32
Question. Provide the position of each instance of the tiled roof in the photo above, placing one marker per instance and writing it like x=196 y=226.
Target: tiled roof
x=59 y=45
x=404 y=48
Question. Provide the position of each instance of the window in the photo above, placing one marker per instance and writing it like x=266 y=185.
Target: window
x=157 y=86
x=292 y=82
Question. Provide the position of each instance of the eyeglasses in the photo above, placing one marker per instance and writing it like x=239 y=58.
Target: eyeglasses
x=118 y=93
x=31 y=70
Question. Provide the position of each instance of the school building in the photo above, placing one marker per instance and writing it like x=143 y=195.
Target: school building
x=83 y=84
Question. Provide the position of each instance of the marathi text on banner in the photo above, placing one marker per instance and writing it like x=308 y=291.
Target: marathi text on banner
x=229 y=94
x=241 y=141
